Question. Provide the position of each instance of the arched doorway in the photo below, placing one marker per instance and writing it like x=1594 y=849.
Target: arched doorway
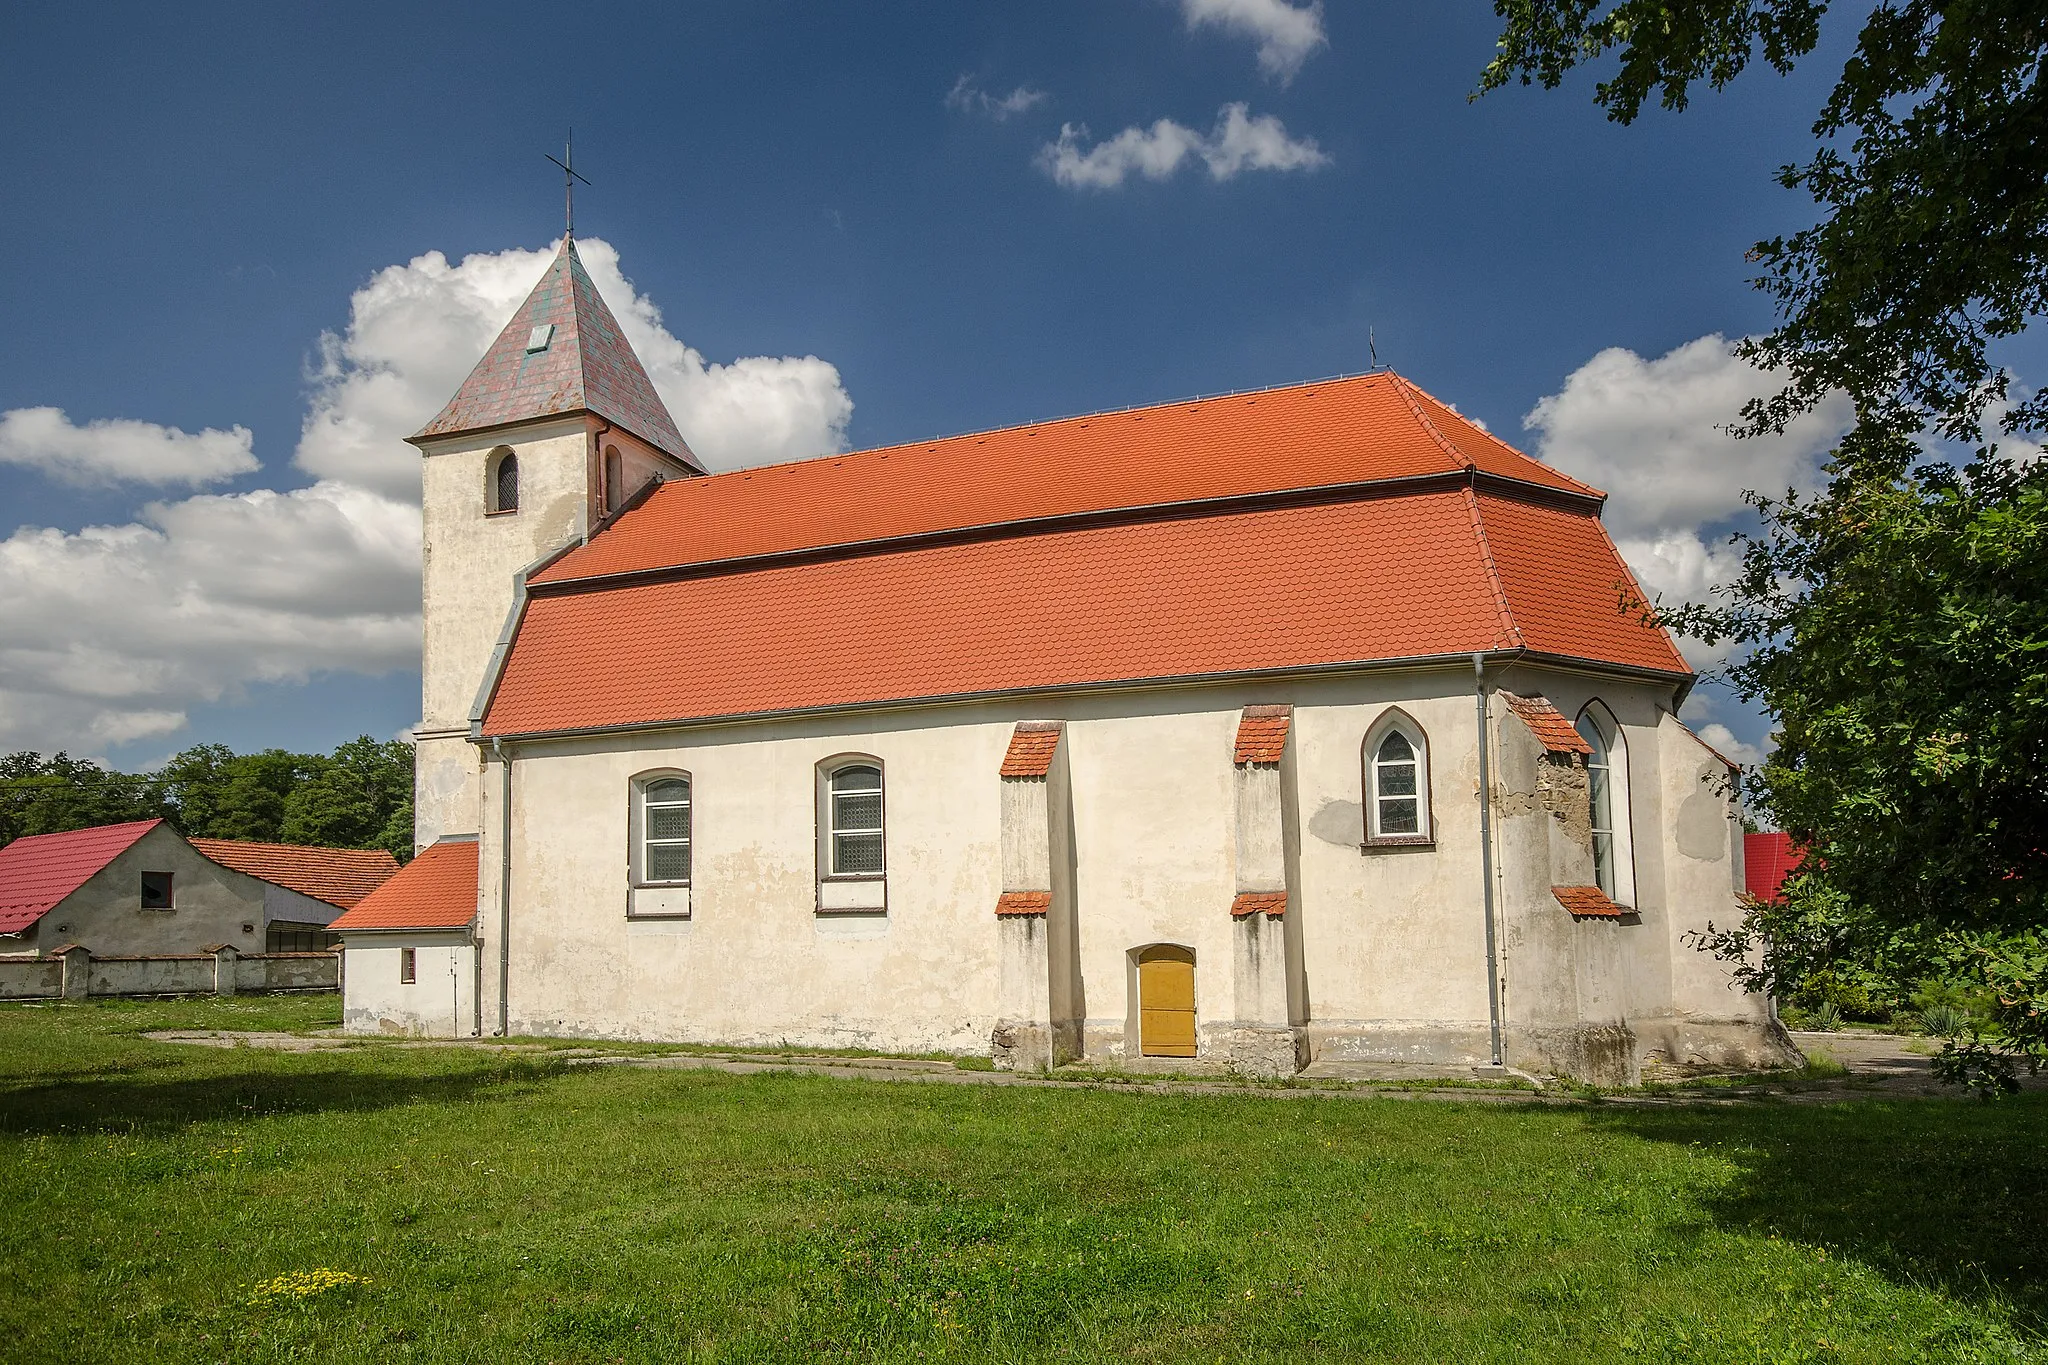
x=1166 y=1001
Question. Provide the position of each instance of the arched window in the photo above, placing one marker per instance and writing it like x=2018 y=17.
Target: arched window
x=663 y=855
x=1607 y=776
x=1396 y=755
x=614 y=480
x=505 y=482
x=853 y=810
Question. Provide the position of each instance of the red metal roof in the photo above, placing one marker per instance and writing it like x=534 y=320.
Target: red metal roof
x=1280 y=587
x=436 y=890
x=1548 y=724
x=1262 y=734
x=39 y=870
x=1767 y=859
x=1335 y=432
x=339 y=876
x=586 y=366
x=1032 y=746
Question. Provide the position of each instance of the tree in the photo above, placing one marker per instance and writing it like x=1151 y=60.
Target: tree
x=356 y=799
x=1895 y=623
x=49 y=796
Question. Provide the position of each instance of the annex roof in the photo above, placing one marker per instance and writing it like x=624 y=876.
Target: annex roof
x=338 y=876
x=561 y=353
x=39 y=870
x=1333 y=433
x=436 y=890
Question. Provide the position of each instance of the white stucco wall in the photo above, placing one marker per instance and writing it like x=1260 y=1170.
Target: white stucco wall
x=1391 y=941
x=439 y=1002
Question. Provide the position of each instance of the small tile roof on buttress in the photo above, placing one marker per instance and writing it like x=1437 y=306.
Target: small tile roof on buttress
x=1032 y=746
x=1262 y=734
x=561 y=353
x=436 y=890
x=1548 y=724
x=1339 y=523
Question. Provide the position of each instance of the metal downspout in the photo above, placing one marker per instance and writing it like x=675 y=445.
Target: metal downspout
x=1486 y=857
x=504 y=887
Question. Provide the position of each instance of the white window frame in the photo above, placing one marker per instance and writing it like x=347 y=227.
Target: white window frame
x=830 y=810
x=408 y=966
x=1598 y=727
x=1396 y=721
x=643 y=784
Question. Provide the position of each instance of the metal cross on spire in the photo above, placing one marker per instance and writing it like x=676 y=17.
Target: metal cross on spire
x=569 y=179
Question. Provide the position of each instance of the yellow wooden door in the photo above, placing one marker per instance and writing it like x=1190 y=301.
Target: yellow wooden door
x=1166 y=1003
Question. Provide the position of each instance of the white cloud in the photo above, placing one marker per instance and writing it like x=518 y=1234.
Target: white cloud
x=1654 y=434
x=107 y=634
x=110 y=452
x=1286 y=34
x=1238 y=143
x=416 y=330
x=1723 y=739
x=970 y=99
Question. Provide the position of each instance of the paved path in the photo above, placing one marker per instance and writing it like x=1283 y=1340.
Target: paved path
x=1879 y=1066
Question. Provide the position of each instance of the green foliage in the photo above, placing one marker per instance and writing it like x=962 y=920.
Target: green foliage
x=514 y=1207
x=360 y=796
x=1824 y=1017
x=1898 y=622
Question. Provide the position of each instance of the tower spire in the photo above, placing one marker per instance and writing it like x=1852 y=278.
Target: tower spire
x=569 y=179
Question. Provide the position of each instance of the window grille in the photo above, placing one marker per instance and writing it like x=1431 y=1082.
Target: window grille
x=856 y=821
x=665 y=830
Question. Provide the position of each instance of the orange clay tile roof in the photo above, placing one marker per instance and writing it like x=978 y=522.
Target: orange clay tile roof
x=586 y=366
x=1432 y=572
x=1338 y=432
x=1024 y=903
x=1272 y=904
x=39 y=870
x=1262 y=734
x=339 y=876
x=1585 y=901
x=1032 y=745
x=436 y=890
x=1548 y=724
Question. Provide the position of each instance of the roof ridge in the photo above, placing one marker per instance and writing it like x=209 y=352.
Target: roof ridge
x=778 y=466
x=1588 y=489
x=1500 y=591
x=1443 y=442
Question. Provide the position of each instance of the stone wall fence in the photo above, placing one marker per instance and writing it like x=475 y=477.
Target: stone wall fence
x=73 y=973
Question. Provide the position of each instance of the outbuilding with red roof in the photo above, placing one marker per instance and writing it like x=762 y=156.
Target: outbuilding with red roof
x=141 y=889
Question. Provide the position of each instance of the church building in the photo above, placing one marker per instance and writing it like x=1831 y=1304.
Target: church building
x=1313 y=724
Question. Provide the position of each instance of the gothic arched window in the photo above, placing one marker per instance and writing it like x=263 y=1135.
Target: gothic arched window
x=1607 y=776
x=1396 y=755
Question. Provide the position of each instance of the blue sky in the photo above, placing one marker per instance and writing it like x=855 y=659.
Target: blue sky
x=197 y=196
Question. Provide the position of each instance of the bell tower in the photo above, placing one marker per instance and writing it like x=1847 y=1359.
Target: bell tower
x=555 y=429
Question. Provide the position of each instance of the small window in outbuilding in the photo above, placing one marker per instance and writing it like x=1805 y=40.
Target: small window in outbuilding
x=156 y=891
x=408 y=966
x=505 y=483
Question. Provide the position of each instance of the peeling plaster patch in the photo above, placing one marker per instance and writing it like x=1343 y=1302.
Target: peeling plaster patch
x=1703 y=818
x=1339 y=822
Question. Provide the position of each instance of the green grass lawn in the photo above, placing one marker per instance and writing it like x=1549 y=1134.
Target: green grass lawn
x=152 y=1195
